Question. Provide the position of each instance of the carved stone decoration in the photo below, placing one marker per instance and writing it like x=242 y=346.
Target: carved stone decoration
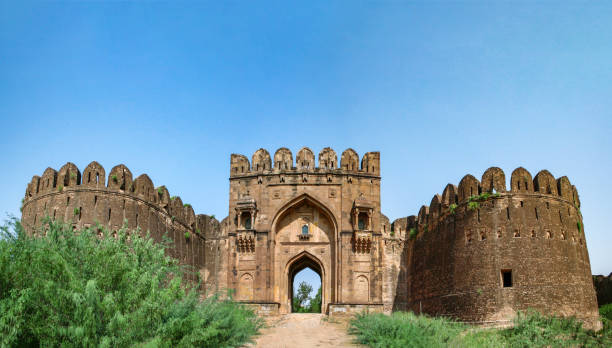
x=245 y=242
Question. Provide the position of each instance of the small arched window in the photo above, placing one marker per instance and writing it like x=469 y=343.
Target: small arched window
x=305 y=230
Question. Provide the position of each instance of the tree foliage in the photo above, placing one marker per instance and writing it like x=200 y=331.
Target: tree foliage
x=79 y=288
x=303 y=303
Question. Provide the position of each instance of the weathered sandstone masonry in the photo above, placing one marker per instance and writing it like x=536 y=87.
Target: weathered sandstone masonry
x=88 y=199
x=479 y=252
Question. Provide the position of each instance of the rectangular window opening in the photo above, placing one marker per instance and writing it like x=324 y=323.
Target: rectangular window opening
x=506 y=275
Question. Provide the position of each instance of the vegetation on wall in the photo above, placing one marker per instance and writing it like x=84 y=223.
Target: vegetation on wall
x=75 y=289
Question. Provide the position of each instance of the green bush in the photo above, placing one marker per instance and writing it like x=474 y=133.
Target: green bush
x=403 y=329
x=473 y=205
x=77 y=289
x=606 y=311
x=413 y=233
x=531 y=329
x=452 y=208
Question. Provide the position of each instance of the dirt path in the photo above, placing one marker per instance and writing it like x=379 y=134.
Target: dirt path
x=303 y=330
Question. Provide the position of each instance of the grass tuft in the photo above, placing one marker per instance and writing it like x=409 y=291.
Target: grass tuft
x=531 y=329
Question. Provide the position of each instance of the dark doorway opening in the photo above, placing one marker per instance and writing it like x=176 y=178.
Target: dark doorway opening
x=506 y=278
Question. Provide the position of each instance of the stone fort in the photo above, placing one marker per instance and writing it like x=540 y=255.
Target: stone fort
x=479 y=252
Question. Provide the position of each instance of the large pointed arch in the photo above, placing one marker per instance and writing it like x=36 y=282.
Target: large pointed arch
x=304 y=197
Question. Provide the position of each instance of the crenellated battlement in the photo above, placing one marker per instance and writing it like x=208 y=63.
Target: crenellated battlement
x=492 y=187
x=305 y=162
x=479 y=251
x=69 y=182
x=487 y=244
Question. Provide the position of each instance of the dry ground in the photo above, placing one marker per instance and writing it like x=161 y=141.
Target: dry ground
x=304 y=330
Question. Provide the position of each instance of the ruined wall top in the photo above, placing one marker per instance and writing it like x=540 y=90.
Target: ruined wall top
x=305 y=162
x=493 y=181
x=119 y=181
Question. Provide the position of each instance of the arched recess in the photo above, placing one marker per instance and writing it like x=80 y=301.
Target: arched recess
x=305 y=197
x=245 y=288
x=317 y=250
x=300 y=262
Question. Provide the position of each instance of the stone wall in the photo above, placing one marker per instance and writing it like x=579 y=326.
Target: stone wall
x=90 y=198
x=464 y=242
x=336 y=201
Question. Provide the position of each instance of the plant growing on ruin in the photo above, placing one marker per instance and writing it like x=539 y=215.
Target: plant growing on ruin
x=425 y=230
x=413 y=233
x=198 y=231
x=187 y=205
x=172 y=198
x=173 y=218
x=452 y=208
x=160 y=191
x=473 y=205
x=60 y=188
x=73 y=176
x=76 y=211
x=114 y=178
x=187 y=235
x=212 y=216
x=579 y=225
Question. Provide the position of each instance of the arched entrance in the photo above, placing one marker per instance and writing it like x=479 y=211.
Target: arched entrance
x=303 y=261
x=304 y=233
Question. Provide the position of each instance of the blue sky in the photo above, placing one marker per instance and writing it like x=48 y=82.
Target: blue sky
x=442 y=89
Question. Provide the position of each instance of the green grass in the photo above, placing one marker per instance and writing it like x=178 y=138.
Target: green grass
x=70 y=289
x=531 y=329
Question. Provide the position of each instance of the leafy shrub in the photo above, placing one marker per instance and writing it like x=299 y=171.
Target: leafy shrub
x=403 y=329
x=160 y=191
x=531 y=329
x=60 y=188
x=187 y=235
x=606 y=311
x=413 y=233
x=77 y=289
x=187 y=205
x=473 y=205
x=452 y=208
x=114 y=178
x=76 y=211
